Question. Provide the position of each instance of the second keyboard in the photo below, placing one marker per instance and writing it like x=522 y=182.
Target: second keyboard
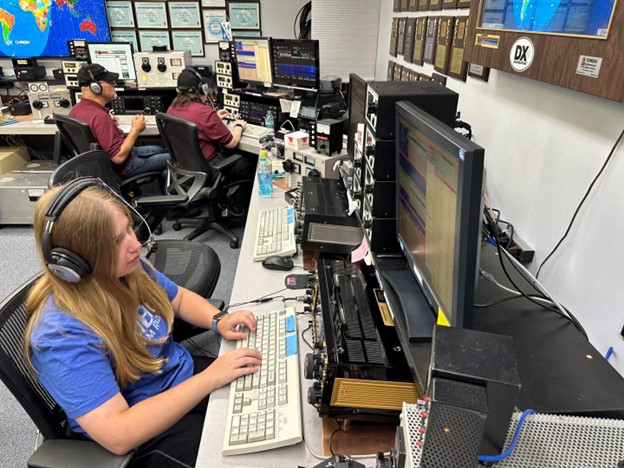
x=275 y=233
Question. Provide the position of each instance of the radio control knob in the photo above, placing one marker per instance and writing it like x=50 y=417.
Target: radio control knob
x=37 y=104
x=63 y=102
x=147 y=111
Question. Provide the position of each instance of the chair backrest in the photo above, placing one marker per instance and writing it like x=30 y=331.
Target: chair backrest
x=47 y=415
x=75 y=133
x=90 y=163
x=181 y=138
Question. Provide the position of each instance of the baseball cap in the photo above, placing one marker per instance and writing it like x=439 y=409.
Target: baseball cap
x=188 y=79
x=99 y=73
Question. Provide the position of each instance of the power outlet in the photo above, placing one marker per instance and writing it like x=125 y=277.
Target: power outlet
x=516 y=247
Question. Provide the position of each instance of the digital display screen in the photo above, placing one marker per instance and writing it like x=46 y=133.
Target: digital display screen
x=115 y=57
x=296 y=63
x=42 y=28
x=253 y=60
x=133 y=103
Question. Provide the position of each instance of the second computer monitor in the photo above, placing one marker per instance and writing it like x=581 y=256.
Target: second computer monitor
x=253 y=60
x=296 y=63
x=115 y=57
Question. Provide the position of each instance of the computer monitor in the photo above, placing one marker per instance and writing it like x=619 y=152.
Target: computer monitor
x=253 y=60
x=115 y=57
x=439 y=174
x=42 y=29
x=296 y=63
x=357 y=109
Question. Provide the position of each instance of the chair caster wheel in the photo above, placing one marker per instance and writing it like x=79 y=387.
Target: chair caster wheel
x=158 y=230
x=234 y=244
x=176 y=226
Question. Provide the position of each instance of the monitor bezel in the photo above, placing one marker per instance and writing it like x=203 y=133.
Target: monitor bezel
x=95 y=43
x=298 y=86
x=247 y=38
x=467 y=217
x=354 y=78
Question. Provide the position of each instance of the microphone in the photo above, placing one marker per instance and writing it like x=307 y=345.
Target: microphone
x=149 y=246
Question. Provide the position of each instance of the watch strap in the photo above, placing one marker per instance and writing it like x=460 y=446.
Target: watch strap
x=215 y=321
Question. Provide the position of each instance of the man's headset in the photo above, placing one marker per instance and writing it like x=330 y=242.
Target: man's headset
x=203 y=87
x=65 y=264
x=94 y=86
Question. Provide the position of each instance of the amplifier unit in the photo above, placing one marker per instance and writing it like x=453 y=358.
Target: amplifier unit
x=160 y=69
x=327 y=226
x=381 y=97
x=307 y=159
x=137 y=105
x=46 y=100
x=326 y=136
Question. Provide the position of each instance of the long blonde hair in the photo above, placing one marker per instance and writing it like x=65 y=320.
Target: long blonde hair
x=106 y=304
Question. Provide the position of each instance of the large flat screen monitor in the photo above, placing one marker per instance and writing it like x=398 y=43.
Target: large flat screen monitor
x=438 y=199
x=42 y=28
x=114 y=56
x=296 y=63
x=357 y=109
x=253 y=60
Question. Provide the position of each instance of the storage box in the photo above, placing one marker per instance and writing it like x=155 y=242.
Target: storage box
x=297 y=140
x=19 y=192
x=12 y=158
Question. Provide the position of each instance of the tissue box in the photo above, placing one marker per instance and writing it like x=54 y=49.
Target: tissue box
x=297 y=140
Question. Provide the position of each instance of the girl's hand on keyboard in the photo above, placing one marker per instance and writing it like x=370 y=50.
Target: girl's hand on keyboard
x=229 y=323
x=232 y=365
x=224 y=114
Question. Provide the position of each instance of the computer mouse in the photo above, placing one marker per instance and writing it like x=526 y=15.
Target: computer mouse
x=275 y=262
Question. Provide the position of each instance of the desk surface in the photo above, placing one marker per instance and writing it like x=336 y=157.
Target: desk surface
x=252 y=281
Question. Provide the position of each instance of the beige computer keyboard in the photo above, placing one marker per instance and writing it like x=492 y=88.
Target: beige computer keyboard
x=126 y=119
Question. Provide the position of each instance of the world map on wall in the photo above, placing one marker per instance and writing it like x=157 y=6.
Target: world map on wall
x=32 y=28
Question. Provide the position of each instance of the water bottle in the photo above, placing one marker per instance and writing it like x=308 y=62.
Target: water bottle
x=265 y=185
x=269 y=120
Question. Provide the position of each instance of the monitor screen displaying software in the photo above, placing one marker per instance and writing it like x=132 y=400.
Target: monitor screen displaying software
x=296 y=63
x=439 y=210
x=115 y=57
x=253 y=60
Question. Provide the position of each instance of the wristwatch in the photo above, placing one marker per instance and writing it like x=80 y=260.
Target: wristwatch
x=215 y=321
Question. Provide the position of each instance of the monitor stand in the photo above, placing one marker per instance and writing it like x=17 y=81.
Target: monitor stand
x=407 y=298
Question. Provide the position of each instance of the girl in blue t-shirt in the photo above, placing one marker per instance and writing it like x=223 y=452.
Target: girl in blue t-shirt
x=102 y=346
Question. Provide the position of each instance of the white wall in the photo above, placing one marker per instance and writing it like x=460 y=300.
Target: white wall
x=543 y=146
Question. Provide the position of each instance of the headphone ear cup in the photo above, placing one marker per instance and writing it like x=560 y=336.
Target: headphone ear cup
x=68 y=265
x=95 y=87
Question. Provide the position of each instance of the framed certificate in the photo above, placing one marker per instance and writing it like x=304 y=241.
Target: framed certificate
x=244 y=15
x=419 y=40
x=188 y=40
x=126 y=36
x=394 y=33
x=431 y=37
x=408 y=48
x=444 y=43
x=120 y=14
x=458 y=66
x=151 y=15
x=213 y=3
x=412 y=6
x=401 y=35
x=213 y=31
x=246 y=34
x=479 y=71
x=184 y=15
x=149 y=39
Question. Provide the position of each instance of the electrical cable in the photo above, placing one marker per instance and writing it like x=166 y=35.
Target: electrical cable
x=260 y=299
x=512 y=444
x=578 y=208
x=609 y=353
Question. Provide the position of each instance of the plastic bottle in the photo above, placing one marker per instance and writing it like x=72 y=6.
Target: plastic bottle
x=269 y=120
x=265 y=184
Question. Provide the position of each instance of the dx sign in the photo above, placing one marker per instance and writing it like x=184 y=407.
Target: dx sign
x=521 y=54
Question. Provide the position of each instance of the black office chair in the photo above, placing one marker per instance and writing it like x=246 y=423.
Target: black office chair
x=59 y=449
x=202 y=181
x=193 y=265
x=78 y=137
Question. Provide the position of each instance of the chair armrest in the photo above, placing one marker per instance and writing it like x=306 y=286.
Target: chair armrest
x=94 y=146
x=161 y=200
x=69 y=453
x=225 y=163
x=218 y=303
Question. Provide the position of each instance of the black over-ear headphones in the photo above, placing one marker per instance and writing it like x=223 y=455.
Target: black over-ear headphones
x=94 y=86
x=203 y=87
x=65 y=264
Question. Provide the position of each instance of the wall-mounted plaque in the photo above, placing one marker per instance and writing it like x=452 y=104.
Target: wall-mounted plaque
x=458 y=66
x=435 y=4
x=410 y=30
x=151 y=15
x=431 y=37
x=213 y=19
x=396 y=6
x=244 y=15
x=438 y=78
x=413 y=5
x=403 y=5
x=444 y=43
x=126 y=36
x=394 y=32
x=463 y=3
x=213 y=3
x=405 y=74
x=390 y=74
x=423 y=5
x=149 y=39
x=120 y=14
x=420 y=32
x=449 y=4
x=479 y=71
x=188 y=40
x=401 y=36
x=413 y=76
x=398 y=71
x=184 y=15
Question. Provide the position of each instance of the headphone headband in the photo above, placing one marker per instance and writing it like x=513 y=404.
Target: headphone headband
x=203 y=87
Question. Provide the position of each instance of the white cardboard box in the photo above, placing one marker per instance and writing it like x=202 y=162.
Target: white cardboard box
x=297 y=140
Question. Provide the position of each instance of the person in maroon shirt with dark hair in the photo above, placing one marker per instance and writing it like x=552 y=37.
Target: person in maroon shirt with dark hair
x=213 y=134
x=98 y=89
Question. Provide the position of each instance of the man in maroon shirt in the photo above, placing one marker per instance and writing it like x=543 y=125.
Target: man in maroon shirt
x=214 y=135
x=98 y=89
